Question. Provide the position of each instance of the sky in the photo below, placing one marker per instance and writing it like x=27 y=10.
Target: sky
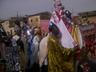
x=9 y=8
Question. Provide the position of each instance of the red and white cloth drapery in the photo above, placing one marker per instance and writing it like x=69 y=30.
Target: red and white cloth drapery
x=66 y=40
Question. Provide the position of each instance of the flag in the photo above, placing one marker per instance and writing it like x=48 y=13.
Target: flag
x=43 y=50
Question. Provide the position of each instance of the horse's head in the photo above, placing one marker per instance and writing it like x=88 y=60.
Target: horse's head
x=54 y=30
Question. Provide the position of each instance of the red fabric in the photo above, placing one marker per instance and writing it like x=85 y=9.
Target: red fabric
x=68 y=25
x=58 y=15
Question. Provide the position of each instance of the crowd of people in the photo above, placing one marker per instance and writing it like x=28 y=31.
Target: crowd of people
x=21 y=49
x=59 y=50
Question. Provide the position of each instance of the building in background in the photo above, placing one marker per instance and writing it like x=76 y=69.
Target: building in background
x=40 y=20
x=90 y=16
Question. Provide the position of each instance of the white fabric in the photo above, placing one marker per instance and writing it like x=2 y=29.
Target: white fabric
x=43 y=51
x=66 y=39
